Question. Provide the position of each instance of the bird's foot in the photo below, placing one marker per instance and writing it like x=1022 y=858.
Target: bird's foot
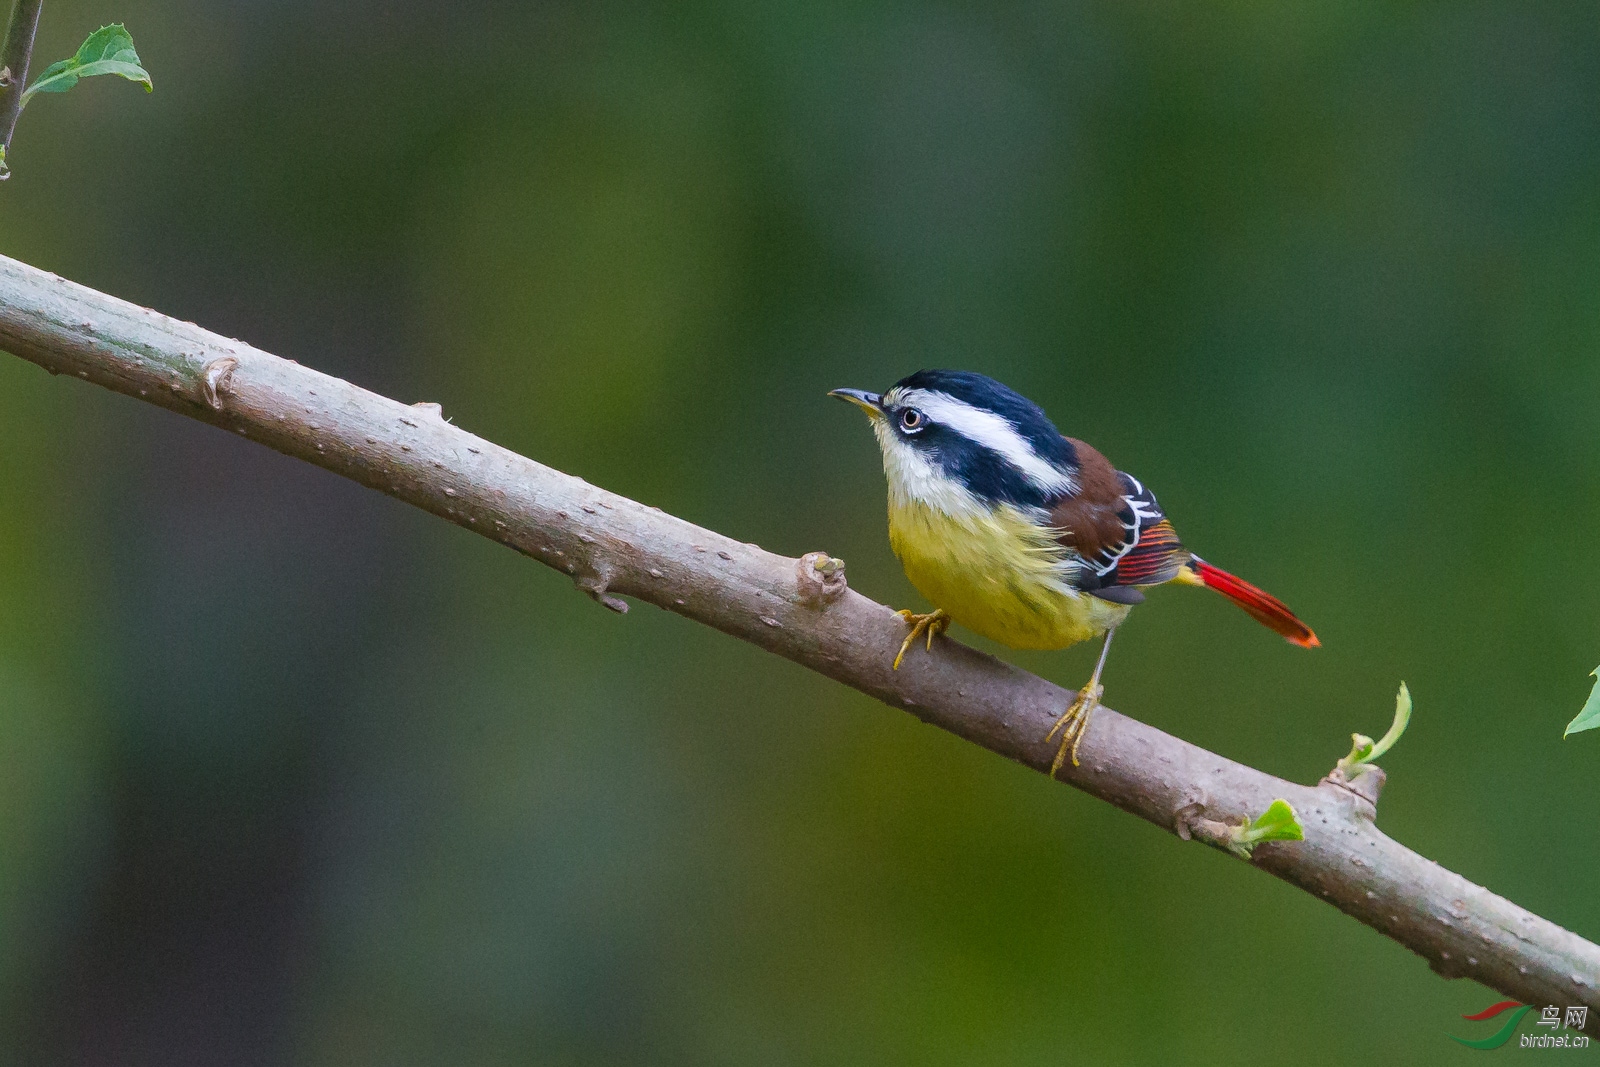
x=1072 y=724
x=933 y=623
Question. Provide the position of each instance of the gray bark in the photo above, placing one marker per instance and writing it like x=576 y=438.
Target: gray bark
x=14 y=58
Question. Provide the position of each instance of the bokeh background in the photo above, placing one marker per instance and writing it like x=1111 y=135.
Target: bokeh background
x=293 y=774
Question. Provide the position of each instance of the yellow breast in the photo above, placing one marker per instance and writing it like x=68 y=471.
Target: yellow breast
x=996 y=573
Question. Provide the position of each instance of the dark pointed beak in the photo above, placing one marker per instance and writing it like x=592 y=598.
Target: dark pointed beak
x=871 y=403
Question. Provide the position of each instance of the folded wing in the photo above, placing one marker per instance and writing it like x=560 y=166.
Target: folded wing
x=1118 y=530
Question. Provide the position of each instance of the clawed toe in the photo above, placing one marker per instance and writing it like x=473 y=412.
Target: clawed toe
x=933 y=623
x=1073 y=723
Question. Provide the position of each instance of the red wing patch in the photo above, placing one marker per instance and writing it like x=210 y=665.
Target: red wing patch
x=1155 y=559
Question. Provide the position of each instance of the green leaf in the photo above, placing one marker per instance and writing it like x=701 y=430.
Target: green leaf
x=1360 y=751
x=108 y=50
x=1364 y=749
x=1277 y=823
x=1589 y=717
x=1402 y=718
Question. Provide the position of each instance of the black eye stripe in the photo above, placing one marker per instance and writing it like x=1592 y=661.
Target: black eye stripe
x=989 y=395
x=982 y=471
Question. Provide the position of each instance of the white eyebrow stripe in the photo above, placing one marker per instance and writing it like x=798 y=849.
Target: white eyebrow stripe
x=992 y=431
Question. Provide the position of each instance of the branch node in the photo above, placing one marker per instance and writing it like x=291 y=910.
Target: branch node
x=215 y=380
x=1184 y=819
x=597 y=583
x=1278 y=823
x=428 y=407
x=1364 y=786
x=1210 y=831
x=821 y=579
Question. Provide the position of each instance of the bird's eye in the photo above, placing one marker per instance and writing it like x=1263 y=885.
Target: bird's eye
x=911 y=419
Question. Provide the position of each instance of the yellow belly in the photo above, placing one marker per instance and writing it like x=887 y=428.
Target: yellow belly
x=997 y=574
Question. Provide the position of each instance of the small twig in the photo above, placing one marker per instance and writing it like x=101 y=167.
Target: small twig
x=611 y=547
x=14 y=69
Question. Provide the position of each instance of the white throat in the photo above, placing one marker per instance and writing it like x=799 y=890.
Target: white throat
x=915 y=479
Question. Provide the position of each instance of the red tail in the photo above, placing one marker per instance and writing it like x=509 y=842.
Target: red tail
x=1262 y=606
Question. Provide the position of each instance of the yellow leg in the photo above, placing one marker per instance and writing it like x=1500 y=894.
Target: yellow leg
x=933 y=623
x=1074 y=722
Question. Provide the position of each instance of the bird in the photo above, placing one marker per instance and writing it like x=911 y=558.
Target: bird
x=1024 y=535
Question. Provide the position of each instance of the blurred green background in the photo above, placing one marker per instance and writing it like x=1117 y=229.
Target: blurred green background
x=293 y=774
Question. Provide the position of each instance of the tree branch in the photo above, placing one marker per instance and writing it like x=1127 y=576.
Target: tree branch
x=800 y=609
x=14 y=59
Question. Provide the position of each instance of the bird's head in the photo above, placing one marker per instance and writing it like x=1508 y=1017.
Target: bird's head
x=955 y=440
